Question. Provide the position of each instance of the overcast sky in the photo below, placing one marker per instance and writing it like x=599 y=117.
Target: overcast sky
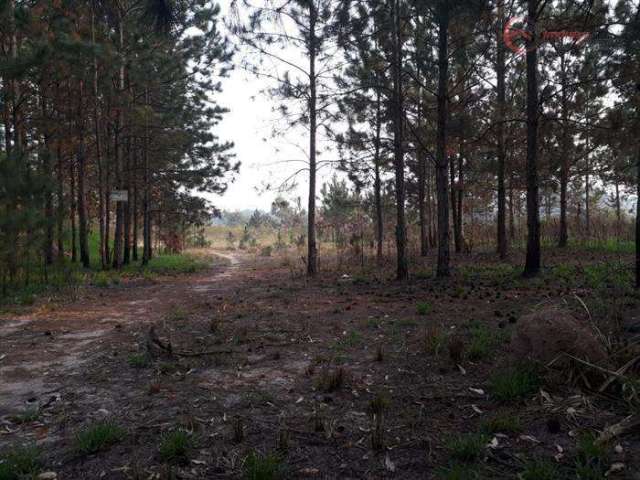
x=264 y=159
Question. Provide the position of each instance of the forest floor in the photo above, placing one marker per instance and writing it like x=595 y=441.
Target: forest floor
x=348 y=376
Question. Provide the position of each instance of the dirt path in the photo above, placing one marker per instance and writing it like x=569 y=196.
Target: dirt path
x=41 y=349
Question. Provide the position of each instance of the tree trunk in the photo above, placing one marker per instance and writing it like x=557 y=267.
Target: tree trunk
x=441 y=141
x=60 y=204
x=564 y=152
x=312 y=253
x=377 y=186
x=402 y=272
x=146 y=206
x=532 y=265
x=638 y=217
x=119 y=154
x=454 y=205
x=104 y=261
x=72 y=211
x=501 y=70
x=83 y=231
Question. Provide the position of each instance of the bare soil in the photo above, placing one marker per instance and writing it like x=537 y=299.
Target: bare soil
x=252 y=343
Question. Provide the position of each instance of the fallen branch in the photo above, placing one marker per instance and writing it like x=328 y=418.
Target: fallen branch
x=619 y=373
x=205 y=353
x=618 y=429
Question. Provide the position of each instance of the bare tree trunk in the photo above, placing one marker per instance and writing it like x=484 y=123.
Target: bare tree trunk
x=501 y=69
x=638 y=218
x=402 y=272
x=146 y=206
x=564 y=168
x=532 y=265
x=119 y=155
x=83 y=231
x=60 y=204
x=441 y=141
x=72 y=211
x=454 y=205
x=377 y=186
x=312 y=253
x=459 y=232
x=104 y=261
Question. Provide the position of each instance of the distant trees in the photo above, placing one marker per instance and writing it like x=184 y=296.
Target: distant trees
x=306 y=27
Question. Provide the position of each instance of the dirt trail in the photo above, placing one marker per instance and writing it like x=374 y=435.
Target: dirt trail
x=40 y=350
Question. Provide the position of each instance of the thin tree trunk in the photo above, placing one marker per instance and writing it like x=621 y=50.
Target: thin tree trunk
x=441 y=141
x=312 y=254
x=119 y=154
x=102 y=201
x=398 y=119
x=60 y=204
x=454 y=205
x=564 y=168
x=377 y=186
x=532 y=265
x=146 y=225
x=501 y=69
x=638 y=217
x=459 y=232
x=83 y=231
x=72 y=211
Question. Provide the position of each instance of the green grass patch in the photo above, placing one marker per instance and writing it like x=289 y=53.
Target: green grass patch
x=467 y=447
x=592 y=459
x=98 y=436
x=484 y=341
x=540 y=470
x=263 y=467
x=28 y=416
x=19 y=463
x=423 y=308
x=502 y=423
x=459 y=471
x=139 y=360
x=514 y=383
x=174 y=446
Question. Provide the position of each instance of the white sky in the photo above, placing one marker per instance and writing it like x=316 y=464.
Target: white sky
x=249 y=125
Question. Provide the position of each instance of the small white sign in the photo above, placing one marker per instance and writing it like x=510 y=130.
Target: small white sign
x=120 y=196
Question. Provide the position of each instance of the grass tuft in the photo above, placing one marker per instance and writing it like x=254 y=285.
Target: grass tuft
x=467 y=447
x=423 y=308
x=502 y=424
x=263 y=467
x=539 y=470
x=19 y=463
x=139 y=360
x=514 y=383
x=174 y=446
x=98 y=436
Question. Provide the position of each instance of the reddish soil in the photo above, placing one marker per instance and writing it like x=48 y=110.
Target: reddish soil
x=272 y=337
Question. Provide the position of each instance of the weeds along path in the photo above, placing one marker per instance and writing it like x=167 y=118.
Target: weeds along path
x=43 y=348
